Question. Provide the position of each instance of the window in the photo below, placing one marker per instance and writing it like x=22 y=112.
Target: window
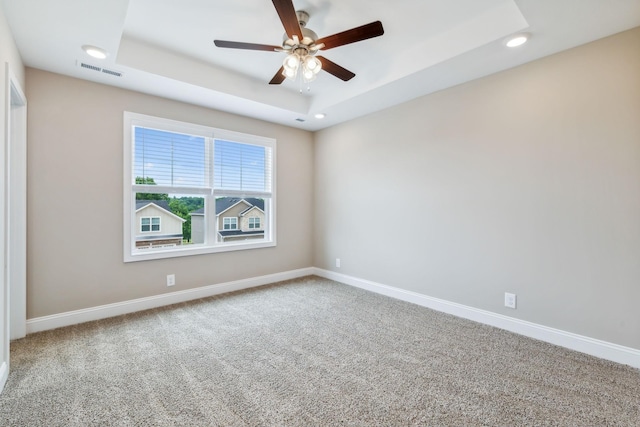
x=198 y=182
x=148 y=224
x=230 y=223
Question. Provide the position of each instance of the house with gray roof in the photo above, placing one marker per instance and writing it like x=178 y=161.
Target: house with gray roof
x=237 y=218
x=156 y=226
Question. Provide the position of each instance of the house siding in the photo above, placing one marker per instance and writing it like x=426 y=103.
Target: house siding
x=254 y=213
x=168 y=223
x=234 y=211
x=197 y=229
x=169 y=234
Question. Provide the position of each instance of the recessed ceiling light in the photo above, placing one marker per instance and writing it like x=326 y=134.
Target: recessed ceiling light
x=94 y=51
x=517 y=40
x=320 y=116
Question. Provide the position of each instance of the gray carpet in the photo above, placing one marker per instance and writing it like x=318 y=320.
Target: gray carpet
x=307 y=352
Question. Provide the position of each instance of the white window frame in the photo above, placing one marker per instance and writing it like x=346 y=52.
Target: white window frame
x=131 y=254
x=252 y=223
x=151 y=218
x=230 y=218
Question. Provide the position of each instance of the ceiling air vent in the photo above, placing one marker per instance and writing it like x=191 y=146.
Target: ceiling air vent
x=100 y=70
x=91 y=67
x=299 y=119
x=113 y=73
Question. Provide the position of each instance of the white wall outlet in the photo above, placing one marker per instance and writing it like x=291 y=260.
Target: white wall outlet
x=509 y=300
x=338 y=262
x=171 y=279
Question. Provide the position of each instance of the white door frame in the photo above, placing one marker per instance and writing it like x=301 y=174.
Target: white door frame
x=16 y=195
x=13 y=167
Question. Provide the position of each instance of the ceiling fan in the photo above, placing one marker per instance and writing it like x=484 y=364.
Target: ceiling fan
x=301 y=45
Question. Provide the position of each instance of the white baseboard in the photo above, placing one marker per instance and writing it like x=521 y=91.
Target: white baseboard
x=110 y=310
x=594 y=347
x=4 y=375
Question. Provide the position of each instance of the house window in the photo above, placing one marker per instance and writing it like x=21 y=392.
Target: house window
x=197 y=181
x=230 y=223
x=148 y=224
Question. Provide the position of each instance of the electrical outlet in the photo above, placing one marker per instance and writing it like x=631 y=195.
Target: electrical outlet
x=338 y=262
x=171 y=279
x=509 y=300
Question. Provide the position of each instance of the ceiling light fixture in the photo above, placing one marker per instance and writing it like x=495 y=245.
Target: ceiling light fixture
x=300 y=59
x=95 y=52
x=301 y=52
x=320 y=116
x=517 y=40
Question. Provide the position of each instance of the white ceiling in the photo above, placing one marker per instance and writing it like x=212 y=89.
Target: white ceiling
x=165 y=47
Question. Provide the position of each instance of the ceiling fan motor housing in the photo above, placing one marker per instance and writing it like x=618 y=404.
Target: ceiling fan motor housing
x=309 y=37
x=303 y=18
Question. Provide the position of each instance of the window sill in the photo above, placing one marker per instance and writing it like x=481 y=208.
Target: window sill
x=189 y=251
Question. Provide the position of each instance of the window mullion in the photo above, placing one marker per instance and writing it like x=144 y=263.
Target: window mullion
x=240 y=193
x=211 y=223
x=141 y=188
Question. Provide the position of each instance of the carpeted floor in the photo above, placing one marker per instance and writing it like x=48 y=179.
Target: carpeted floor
x=307 y=352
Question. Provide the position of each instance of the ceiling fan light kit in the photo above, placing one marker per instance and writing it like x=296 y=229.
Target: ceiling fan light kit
x=302 y=44
x=300 y=58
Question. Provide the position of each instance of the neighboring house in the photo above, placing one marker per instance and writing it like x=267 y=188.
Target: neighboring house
x=197 y=226
x=156 y=225
x=237 y=219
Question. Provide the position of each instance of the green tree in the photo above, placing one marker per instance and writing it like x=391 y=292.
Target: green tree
x=149 y=196
x=179 y=207
x=193 y=203
x=182 y=207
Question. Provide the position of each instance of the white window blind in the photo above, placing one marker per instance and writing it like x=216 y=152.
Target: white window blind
x=242 y=168
x=170 y=162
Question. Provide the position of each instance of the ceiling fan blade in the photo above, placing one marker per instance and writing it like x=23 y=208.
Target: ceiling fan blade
x=353 y=35
x=249 y=46
x=333 y=68
x=288 y=17
x=278 y=78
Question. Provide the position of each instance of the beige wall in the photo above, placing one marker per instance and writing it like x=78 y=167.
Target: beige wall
x=75 y=163
x=526 y=181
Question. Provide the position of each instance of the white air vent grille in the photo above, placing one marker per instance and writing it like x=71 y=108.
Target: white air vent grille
x=91 y=67
x=101 y=70
x=113 y=73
